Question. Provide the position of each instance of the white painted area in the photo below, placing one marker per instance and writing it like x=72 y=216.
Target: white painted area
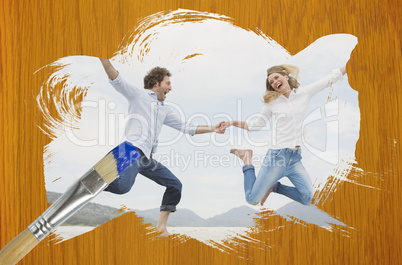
x=225 y=81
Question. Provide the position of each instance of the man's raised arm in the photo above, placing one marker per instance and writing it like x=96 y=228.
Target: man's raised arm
x=109 y=69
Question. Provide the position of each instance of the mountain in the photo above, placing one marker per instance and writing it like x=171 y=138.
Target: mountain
x=182 y=217
x=310 y=214
x=237 y=217
x=94 y=214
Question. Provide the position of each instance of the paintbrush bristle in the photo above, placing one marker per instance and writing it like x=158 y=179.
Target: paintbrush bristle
x=117 y=161
x=107 y=168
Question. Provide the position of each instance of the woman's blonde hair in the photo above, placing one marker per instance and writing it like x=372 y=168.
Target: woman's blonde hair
x=286 y=70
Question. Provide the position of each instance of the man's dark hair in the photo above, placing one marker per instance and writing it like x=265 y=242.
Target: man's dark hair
x=155 y=76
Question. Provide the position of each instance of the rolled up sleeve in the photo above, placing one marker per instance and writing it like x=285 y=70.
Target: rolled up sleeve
x=127 y=90
x=325 y=82
x=173 y=120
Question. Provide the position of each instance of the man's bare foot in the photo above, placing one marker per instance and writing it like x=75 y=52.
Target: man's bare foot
x=164 y=233
x=266 y=195
x=245 y=155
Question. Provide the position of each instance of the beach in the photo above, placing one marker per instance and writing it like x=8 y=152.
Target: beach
x=203 y=234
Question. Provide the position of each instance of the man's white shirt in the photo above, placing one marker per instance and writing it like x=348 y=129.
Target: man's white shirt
x=146 y=115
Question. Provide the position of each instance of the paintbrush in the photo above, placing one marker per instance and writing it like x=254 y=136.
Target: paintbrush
x=78 y=195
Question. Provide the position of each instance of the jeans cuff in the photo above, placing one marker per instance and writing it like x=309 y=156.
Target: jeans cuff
x=168 y=208
x=247 y=167
x=276 y=186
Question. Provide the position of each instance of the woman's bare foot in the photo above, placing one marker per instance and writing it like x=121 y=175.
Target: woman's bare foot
x=266 y=195
x=245 y=155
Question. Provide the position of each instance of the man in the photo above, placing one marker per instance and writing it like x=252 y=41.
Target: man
x=147 y=115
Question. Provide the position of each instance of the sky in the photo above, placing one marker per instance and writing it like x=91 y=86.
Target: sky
x=223 y=80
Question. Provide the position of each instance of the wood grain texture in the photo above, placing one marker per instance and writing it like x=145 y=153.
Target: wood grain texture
x=36 y=33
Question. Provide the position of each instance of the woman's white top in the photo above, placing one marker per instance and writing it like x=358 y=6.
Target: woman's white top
x=288 y=113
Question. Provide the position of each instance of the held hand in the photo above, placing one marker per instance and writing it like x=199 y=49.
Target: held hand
x=220 y=128
x=227 y=124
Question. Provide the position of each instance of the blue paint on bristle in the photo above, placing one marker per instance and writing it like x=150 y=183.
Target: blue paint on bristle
x=125 y=154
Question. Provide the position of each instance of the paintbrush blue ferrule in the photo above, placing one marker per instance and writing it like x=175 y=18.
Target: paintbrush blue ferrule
x=125 y=154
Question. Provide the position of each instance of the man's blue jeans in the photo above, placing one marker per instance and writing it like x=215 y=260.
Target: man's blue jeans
x=277 y=164
x=155 y=171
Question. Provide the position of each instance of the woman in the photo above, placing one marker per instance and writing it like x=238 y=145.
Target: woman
x=288 y=103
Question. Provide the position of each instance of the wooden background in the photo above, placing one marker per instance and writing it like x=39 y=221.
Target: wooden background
x=36 y=33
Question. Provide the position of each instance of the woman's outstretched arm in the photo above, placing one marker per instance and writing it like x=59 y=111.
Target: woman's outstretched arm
x=325 y=82
x=239 y=124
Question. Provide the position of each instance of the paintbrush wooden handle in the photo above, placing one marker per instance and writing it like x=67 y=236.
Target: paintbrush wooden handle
x=17 y=248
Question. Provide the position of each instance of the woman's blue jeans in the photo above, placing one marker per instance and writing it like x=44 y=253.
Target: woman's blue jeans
x=277 y=164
